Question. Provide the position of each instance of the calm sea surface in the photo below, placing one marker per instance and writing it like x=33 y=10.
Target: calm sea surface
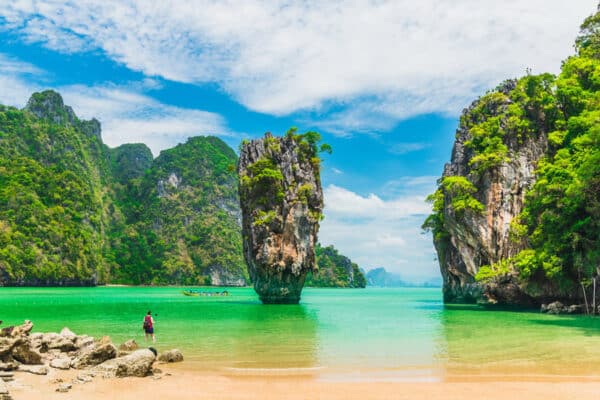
x=388 y=334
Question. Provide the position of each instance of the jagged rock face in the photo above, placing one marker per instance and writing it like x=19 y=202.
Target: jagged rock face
x=282 y=201
x=49 y=105
x=476 y=239
x=190 y=201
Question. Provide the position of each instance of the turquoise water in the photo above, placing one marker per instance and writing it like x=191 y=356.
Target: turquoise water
x=401 y=333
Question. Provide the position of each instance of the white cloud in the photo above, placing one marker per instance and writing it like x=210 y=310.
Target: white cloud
x=377 y=61
x=131 y=117
x=405 y=148
x=344 y=202
x=15 y=88
x=382 y=233
x=126 y=114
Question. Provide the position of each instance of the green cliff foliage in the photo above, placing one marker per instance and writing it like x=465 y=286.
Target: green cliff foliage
x=52 y=197
x=262 y=184
x=75 y=212
x=189 y=200
x=335 y=270
x=560 y=223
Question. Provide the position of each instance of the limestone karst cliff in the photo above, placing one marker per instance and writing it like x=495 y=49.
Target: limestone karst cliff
x=75 y=212
x=335 y=270
x=282 y=202
x=479 y=233
x=516 y=217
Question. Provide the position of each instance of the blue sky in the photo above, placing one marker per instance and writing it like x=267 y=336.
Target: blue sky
x=383 y=81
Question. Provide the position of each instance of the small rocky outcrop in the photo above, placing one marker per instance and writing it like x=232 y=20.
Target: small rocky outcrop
x=139 y=363
x=129 y=345
x=61 y=363
x=556 y=307
x=171 y=356
x=94 y=356
x=38 y=353
x=282 y=203
x=26 y=355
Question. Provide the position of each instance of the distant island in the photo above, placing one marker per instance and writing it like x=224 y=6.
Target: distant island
x=380 y=277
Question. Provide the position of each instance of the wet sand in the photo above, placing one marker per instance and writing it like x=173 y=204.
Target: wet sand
x=184 y=384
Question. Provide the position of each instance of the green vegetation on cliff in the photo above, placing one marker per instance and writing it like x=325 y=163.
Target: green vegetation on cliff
x=75 y=212
x=335 y=270
x=189 y=201
x=52 y=196
x=559 y=227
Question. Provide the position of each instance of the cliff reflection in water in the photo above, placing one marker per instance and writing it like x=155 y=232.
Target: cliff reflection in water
x=479 y=341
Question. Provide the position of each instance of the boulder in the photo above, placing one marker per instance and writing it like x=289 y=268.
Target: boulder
x=35 y=342
x=26 y=355
x=556 y=308
x=68 y=334
x=576 y=309
x=61 y=363
x=139 y=363
x=34 y=369
x=8 y=344
x=23 y=330
x=95 y=356
x=17 y=331
x=55 y=341
x=104 y=340
x=84 y=341
x=171 y=356
x=129 y=345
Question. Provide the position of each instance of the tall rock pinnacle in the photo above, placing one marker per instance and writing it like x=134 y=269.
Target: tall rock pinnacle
x=282 y=203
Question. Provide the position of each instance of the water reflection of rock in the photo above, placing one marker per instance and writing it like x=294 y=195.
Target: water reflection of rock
x=282 y=337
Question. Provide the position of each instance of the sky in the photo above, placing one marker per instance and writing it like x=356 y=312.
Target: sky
x=384 y=82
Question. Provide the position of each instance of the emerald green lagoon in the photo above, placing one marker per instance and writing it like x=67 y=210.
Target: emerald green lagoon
x=359 y=334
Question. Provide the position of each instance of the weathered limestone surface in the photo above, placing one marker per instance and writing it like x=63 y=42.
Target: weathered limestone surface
x=139 y=363
x=171 y=356
x=280 y=215
x=37 y=353
x=95 y=356
x=482 y=239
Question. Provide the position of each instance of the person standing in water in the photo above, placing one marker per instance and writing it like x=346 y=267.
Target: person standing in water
x=149 y=326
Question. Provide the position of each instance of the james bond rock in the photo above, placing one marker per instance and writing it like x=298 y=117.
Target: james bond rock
x=282 y=203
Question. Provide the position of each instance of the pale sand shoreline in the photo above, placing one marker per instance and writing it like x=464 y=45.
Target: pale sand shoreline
x=187 y=385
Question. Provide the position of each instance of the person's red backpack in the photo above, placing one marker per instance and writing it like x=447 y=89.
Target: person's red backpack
x=147 y=322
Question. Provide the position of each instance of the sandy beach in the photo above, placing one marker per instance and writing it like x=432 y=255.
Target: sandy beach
x=183 y=385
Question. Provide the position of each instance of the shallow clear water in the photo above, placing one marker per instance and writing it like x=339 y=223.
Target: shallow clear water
x=401 y=333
